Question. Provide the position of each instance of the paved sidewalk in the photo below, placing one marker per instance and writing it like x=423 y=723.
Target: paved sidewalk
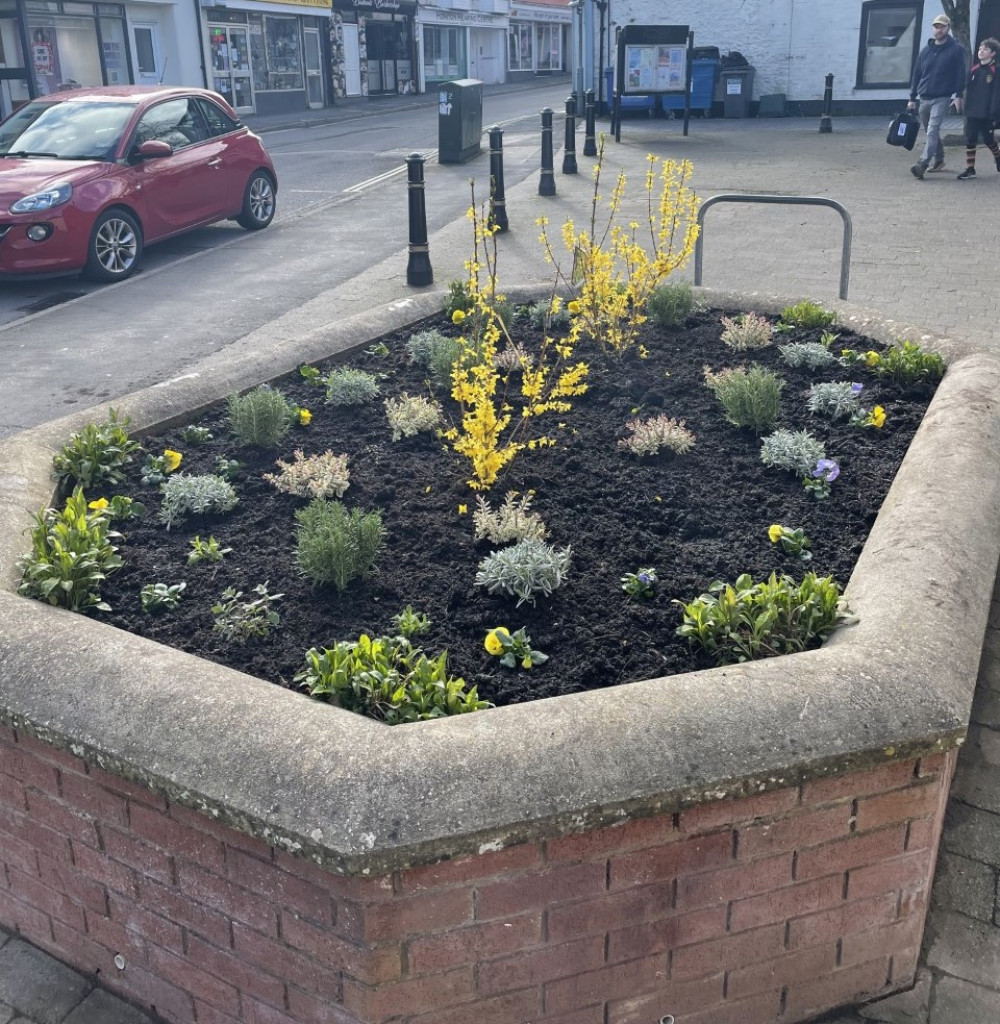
x=915 y=257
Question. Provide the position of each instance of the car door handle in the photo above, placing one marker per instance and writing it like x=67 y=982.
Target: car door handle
x=215 y=162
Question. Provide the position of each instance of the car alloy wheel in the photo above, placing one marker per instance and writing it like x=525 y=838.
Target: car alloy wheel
x=258 y=202
x=115 y=247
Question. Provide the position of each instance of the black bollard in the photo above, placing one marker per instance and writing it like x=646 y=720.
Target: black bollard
x=589 y=140
x=498 y=203
x=547 y=182
x=825 y=124
x=569 y=152
x=418 y=267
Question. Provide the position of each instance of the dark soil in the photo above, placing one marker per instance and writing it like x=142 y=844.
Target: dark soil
x=695 y=518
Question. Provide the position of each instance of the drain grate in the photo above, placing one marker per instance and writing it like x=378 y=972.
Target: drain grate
x=48 y=301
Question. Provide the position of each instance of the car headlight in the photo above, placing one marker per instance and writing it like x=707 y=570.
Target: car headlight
x=55 y=196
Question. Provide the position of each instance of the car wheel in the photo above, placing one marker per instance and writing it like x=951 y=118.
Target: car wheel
x=115 y=247
x=258 y=202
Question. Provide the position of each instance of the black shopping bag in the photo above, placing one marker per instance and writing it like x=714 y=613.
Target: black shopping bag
x=903 y=130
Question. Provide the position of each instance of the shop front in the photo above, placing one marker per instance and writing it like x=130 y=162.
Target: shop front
x=268 y=58
x=536 y=42
x=372 y=47
x=462 y=44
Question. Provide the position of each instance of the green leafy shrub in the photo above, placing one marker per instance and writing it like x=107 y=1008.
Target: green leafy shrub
x=459 y=298
x=807 y=314
x=436 y=353
x=524 y=570
x=749 y=397
x=387 y=678
x=651 y=436
x=194 y=435
x=797 y=451
x=261 y=417
x=746 y=620
x=160 y=597
x=98 y=453
x=904 y=366
x=312 y=476
x=334 y=546
x=239 y=620
x=348 y=386
x=409 y=416
x=810 y=354
x=410 y=623
x=747 y=331
x=186 y=495
x=512 y=521
x=207 y=551
x=835 y=399
x=548 y=316
x=72 y=551
x=671 y=304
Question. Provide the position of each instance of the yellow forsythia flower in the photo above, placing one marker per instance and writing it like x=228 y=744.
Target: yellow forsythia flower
x=171 y=459
x=305 y=417
x=98 y=504
x=458 y=316
x=775 y=532
x=877 y=417
x=574 y=307
x=492 y=642
x=463 y=510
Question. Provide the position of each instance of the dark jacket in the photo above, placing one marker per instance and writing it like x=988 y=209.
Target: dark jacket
x=982 y=92
x=940 y=71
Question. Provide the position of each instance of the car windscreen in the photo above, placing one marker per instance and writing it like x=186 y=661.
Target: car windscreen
x=75 y=130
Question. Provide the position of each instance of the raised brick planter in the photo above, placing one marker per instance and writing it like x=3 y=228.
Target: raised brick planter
x=741 y=845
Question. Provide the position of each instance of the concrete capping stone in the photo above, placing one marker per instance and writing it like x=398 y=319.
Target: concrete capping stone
x=361 y=798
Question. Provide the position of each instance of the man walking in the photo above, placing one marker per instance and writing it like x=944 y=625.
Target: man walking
x=938 y=83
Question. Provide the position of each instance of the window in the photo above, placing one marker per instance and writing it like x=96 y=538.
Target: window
x=444 y=52
x=145 y=51
x=548 y=38
x=177 y=122
x=889 y=43
x=519 y=47
x=218 y=120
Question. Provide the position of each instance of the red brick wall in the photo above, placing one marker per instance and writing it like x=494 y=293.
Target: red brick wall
x=787 y=903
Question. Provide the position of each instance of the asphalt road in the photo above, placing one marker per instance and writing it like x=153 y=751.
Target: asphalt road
x=66 y=343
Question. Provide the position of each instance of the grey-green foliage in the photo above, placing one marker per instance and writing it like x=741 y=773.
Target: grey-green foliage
x=434 y=352
x=749 y=397
x=334 y=545
x=671 y=304
x=543 y=319
x=97 y=453
x=810 y=354
x=524 y=570
x=187 y=495
x=348 y=386
x=261 y=417
x=161 y=597
x=836 y=399
x=239 y=620
x=794 y=450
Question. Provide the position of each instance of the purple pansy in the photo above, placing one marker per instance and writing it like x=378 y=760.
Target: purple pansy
x=856 y=389
x=827 y=470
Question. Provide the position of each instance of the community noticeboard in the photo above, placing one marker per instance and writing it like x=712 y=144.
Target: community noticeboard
x=655 y=68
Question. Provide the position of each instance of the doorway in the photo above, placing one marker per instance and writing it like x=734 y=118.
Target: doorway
x=380 y=38
x=148 y=60
x=314 y=68
x=231 y=65
x=352 y=61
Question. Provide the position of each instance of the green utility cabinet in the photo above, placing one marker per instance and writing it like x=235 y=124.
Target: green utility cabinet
x=460 y=120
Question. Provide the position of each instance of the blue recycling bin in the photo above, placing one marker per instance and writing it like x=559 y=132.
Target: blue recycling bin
x=704 y=75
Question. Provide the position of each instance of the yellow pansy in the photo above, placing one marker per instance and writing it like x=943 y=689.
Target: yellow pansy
x=775 y=532
x=872 y=358
x=171 y=460
x=574 y=307
x=458 y=316
x=877 y=417
x=463 y=510
x=305 y=417
x=493 y=643
x=98 y=504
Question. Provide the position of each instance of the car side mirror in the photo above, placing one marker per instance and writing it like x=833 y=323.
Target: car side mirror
x=152 y=148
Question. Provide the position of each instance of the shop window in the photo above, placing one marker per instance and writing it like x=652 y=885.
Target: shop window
x=519 y=47
x=283 y=54
x=549 y=38
x=444 y=52
x=889 y=43
x=115 y=52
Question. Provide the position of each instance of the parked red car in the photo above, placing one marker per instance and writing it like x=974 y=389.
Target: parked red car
x=88 y=178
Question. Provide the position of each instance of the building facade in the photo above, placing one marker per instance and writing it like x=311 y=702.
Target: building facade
x=538 y=40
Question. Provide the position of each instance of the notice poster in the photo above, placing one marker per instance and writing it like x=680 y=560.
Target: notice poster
x=652 y=68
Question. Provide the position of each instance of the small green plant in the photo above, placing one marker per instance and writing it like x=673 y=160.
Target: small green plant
x=261 y=417
x=513 y=649
x=641 y=585
x=807 y=314
x=671 y=304
x=228 y=469
x=651 y=436
x=549 y=315
x=409 y=416
x=904 y=366
x=827 y=338
x=72 y=551
x=810 y=354
x=387 y=678
x=158 y=597
x=459 y=299
x=747 y=331
x=348 y=386
x=793 y=542
x=185 y=495
x=120 y=507
x=98 y=453
x=746 y=620
x=238 y=620
x=157 y=468
x=749 y=397
x=313 y=375
x=528 y=568
x=817 y=481
x=410 y=623
x=334 y=546
x=196 y=435
x=436 y=353
x=312 y=476
x=206 y=551
x=796 y=451
x=835 y=399
x=512 y=521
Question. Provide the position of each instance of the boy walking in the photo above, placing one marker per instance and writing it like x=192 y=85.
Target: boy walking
x=982 y=106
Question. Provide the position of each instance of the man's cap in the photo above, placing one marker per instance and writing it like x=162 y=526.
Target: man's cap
x=942 y=19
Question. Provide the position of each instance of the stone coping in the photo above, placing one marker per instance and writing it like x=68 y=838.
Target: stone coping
x=362 y=798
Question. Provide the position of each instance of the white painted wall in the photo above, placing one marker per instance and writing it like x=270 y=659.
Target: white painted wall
x=179 y=35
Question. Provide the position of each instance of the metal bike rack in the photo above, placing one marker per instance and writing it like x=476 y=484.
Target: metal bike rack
x=735 y=197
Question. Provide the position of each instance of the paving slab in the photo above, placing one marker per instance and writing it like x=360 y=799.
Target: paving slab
x=962 y=1002
x=964 y=948
x=38 y=986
